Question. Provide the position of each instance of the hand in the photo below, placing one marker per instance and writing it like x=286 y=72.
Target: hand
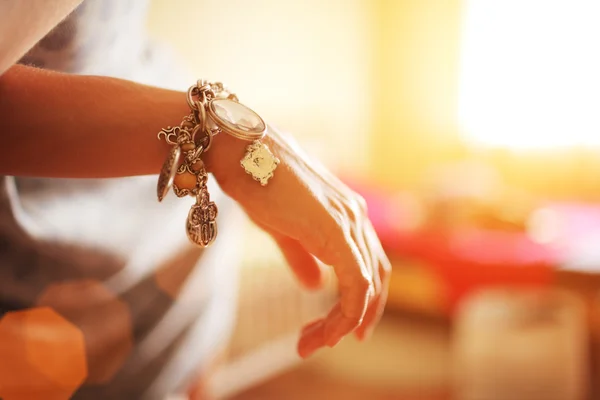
x=310 y=213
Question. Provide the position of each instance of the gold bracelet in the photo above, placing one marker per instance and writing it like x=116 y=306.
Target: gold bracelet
x=214 y=109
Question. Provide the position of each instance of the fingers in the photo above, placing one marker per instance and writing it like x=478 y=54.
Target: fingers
x=356 y=290
x=362 y=240
x=325 y=332
x=377 y=306
x=363 y=274
x=302 y=263
x=373 y=314
x=312 y=338
x=359 y=274
x=373 y=258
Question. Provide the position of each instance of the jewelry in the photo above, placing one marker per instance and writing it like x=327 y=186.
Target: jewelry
x=214 y=109
x=259 y=162
x=167 y=173
x=242 y=123
x=201 y=225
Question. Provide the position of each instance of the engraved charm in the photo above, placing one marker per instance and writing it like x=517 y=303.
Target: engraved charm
x=201 y=225
x=259 y=162
x=167 y=173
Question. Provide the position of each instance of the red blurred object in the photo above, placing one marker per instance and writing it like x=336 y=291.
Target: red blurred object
x=465 y=258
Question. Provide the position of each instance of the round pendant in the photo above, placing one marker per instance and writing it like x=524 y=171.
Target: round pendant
x=167 y=173
x=236 y=119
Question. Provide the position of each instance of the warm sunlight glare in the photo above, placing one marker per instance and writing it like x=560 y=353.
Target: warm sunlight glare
x=530 y=73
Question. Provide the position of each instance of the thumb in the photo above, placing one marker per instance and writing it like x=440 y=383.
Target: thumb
x=304 y=265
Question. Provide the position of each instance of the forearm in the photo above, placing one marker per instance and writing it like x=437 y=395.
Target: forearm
x=58 y=125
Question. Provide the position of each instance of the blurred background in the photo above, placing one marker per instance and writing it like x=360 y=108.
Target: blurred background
x=472 y=129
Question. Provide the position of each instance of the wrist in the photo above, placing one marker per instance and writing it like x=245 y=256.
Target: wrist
x=223 y=162
x=232 y=134
x=219 y=136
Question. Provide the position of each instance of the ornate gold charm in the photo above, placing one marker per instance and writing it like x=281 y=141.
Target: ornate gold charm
x=201 y=225
x=167 y=173
x=170 y=134
x=259 y=162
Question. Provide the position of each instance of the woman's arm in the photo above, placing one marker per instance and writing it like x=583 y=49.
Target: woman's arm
x=60 y=125
x=57 y=125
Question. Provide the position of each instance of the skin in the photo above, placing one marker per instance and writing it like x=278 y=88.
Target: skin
x=59 y=125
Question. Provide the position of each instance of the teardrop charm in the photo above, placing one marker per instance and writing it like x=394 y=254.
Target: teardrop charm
x=167 y=173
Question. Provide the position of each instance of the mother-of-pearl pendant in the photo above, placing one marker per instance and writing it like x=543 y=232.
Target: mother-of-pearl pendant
x=241 y=122
x=236 y=119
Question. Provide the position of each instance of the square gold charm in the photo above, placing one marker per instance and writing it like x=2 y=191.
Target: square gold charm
x=259 y=162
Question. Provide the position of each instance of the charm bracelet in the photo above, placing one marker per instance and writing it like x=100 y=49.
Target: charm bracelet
x=214 y=109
